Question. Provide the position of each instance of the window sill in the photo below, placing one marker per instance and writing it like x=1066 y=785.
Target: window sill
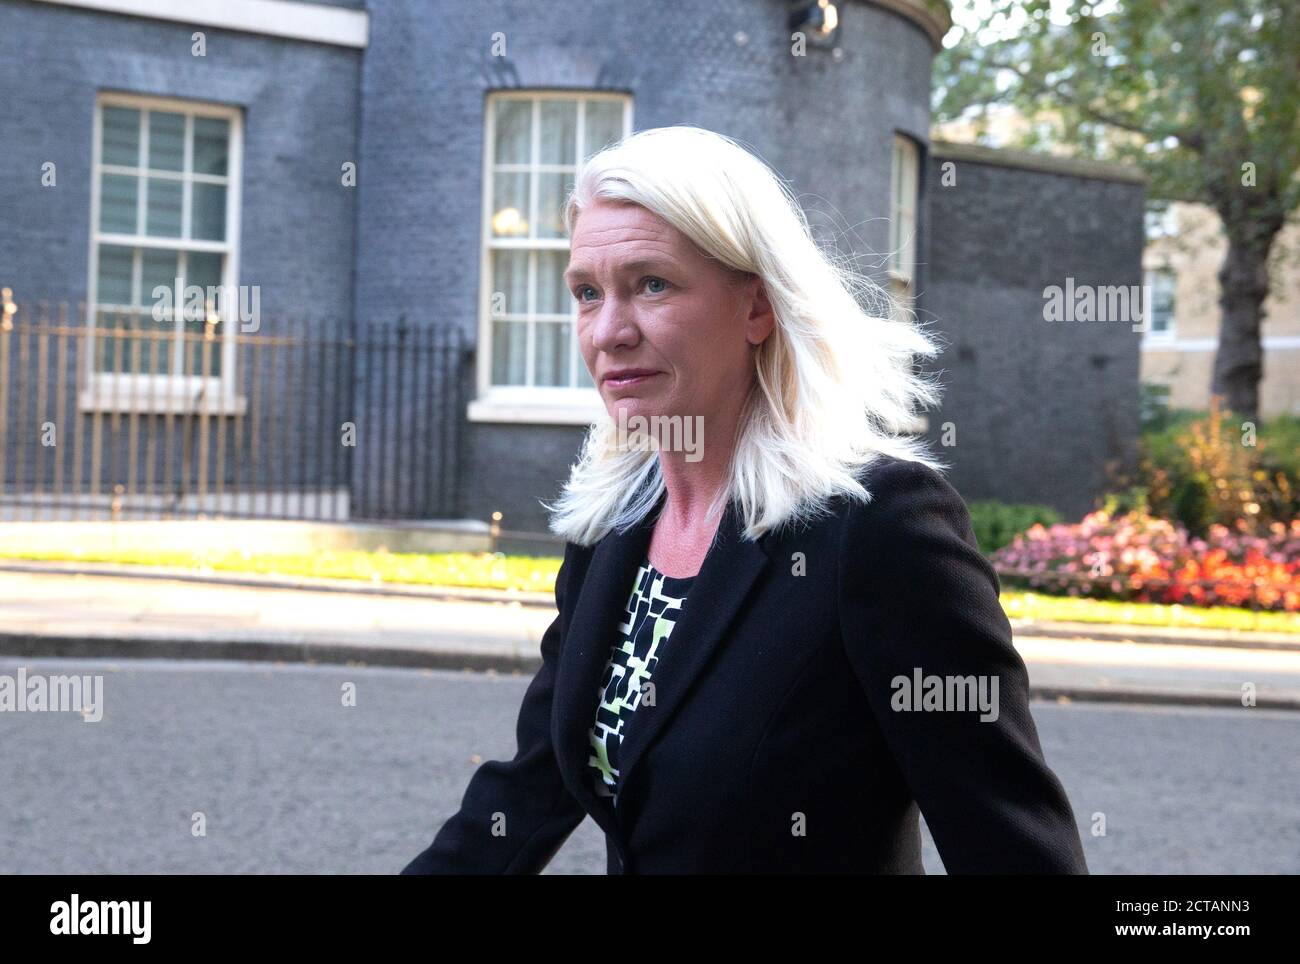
x=109 y=402
x=1159 y=339
x=534 y=413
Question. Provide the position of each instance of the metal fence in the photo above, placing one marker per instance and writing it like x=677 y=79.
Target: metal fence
x=124 y=416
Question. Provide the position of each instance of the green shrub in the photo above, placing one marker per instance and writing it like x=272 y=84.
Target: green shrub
x=1153 y=406
x=997 y=523
x=1199 y=469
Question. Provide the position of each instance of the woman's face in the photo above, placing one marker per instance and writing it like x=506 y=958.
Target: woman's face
x=651 y=302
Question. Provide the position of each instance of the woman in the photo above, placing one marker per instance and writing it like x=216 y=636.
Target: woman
x=773 y=647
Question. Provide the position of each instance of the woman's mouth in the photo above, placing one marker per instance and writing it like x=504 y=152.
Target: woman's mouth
x=628 y=379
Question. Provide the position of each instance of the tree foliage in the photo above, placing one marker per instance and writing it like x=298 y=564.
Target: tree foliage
x=1202 y=95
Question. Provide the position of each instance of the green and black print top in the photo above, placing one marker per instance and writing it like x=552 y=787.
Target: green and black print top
x=652 y=610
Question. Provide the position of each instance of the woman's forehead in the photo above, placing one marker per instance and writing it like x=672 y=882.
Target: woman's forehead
x=604 y=215
x=602 y=236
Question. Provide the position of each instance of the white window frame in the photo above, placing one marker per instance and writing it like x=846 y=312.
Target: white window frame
x=540 y=404
x=1151 y=338
x=1160 y=225
x=904 y=180
x=174 y=391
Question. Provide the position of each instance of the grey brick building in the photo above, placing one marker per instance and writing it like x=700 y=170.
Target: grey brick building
x=1040 y=410
x=364 y=163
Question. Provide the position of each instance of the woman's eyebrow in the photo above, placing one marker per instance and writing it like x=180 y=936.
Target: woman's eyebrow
x=579 y=272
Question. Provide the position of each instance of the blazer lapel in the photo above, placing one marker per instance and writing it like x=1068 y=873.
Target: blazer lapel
x=600 y=605
x=730 y=569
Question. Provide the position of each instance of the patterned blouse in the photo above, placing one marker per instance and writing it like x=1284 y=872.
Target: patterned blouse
x=652 y=610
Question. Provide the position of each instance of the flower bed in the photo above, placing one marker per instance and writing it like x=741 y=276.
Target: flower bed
x=1141 y=558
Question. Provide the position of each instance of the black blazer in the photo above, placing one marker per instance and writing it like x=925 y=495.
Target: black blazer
x=774 y=744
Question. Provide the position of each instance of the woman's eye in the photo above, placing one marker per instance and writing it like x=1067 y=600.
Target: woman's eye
x=655 y=285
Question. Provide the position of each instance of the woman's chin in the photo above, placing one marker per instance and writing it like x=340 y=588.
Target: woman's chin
x=628 y=407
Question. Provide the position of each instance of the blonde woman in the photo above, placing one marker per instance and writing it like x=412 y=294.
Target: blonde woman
x=777 y=642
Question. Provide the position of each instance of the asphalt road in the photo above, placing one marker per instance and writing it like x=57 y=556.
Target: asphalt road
x=289 y=780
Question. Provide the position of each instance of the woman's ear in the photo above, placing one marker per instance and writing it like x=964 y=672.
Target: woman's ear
x=761 y=319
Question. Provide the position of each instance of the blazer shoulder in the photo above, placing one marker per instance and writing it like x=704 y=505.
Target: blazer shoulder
x=893 y=482
x=576 y=559
x=909 y=501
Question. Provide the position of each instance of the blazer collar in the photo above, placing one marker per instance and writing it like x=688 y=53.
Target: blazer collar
x=730 y=569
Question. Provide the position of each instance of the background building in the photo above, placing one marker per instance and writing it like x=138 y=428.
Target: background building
x=1181 y=265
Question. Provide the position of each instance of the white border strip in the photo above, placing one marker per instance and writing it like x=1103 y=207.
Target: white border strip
x=1268 y=343
x=341 y=26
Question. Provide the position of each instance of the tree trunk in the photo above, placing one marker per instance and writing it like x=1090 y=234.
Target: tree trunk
x=1243 y=286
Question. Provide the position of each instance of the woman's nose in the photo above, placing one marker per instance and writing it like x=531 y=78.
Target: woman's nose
x=614 y=326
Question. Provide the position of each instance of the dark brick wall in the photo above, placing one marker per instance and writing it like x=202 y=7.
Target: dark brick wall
x=1040 y=408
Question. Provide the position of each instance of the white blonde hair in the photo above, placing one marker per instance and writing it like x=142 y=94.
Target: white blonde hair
x=834 y=385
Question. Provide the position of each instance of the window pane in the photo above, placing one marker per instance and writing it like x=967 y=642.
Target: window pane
x=114 y=280
x=902 y=307
x=126 y=342
x=604 y=125
x=509 y=283
x=559 y=131
x=152 y=345
x=909 y=181
x=166 y=141
x=509 y=352
x=202 y=354
x=157 y=344
x=510 y=211
x=895 y=205
x=211 y=145
x=149 y=347
x=552 y=189
x=1162 y=300
x=552 y=353
x=584 y=376
x=905 y=252
x=902 y=223
x=108 y=345
x=163 y=211
x=208 y=214
x=897 y=172
x=553 y=297
x=121 y=136
x=514 y=131
x=158 y=268
x=118 y=196
x=203 y=269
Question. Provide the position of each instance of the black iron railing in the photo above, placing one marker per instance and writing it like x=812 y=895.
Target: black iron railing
x=118 y=415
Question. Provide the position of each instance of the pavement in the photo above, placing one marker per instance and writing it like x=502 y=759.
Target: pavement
x=80 y=611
